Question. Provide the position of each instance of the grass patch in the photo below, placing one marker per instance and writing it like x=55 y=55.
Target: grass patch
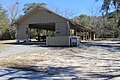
x=22 y=61
x=29 y=62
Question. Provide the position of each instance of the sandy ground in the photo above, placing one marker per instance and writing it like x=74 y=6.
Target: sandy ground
x=2 y=45
x=97 y=60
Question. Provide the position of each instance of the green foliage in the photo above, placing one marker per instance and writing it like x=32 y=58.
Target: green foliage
x=83 y=20
x=104 y=26
x=107 y=5
x=5 y=30
x=30 y=6
x=4 y=25
x=87 y=21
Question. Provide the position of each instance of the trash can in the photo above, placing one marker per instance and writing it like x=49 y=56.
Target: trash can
x=73 y=41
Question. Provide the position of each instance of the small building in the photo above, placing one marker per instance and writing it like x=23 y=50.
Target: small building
x=59 y=30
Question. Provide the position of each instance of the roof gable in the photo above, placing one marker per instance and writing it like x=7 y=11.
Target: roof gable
x=38 y=8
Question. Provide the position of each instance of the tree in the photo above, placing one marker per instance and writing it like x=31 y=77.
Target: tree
x=112 y=24
x=84 y=20
x=13 y=14
x=14 y=11
x=30 y=6
x=4 y=24
x=108 y=4
x=103 y=27
x=67 y=13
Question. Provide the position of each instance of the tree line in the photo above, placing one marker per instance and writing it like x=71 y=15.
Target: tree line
x=104 y=26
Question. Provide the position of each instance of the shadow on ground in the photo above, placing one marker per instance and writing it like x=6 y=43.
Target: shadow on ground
x=104 y=76
x=38 y=44
x=55 y=73
x=49 y=73
x=107 y=46
x=26 y=43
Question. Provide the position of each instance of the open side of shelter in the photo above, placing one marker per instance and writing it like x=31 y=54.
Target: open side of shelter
x=42 y=30
x=50 y=28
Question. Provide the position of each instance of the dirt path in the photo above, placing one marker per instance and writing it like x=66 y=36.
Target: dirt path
x=92 y=60
x=11 y=48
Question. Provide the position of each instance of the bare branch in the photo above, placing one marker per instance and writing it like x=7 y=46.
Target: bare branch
x=67 y=13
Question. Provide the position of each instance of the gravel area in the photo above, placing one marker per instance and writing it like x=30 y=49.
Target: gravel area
x=91 y=61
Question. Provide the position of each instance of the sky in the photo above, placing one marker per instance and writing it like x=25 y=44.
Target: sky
x=78 y=6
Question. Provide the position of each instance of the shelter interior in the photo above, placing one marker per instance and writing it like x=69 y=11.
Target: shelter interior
x=39 y=32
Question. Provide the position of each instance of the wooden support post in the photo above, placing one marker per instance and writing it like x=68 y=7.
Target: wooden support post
x=90 y=36
x=80 y=33
x=30 y=34
x=38 y=32
x=94 y=36
x=75 y=31
x=83 y=35
x=87 y=35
